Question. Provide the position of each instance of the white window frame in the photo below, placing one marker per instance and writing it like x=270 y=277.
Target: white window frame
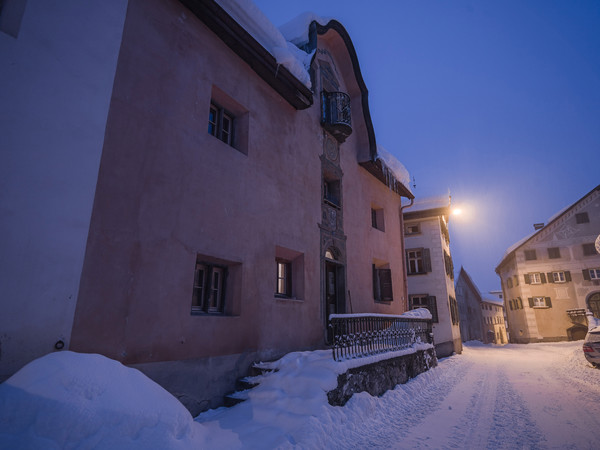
x=559 y=277
x=415 y=261
x=535 y=278
x=594 y=274
x=539 y=302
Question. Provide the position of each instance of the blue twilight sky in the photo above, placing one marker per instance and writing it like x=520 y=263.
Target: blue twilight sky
x=496 y=101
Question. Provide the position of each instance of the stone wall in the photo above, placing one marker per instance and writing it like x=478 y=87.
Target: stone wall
x=377 y=378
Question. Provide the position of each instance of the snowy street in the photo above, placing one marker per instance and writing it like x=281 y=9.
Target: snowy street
x=518 y=396
x=534 y=396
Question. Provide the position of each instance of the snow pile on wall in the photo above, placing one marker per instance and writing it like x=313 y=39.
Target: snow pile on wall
x=252 y=19
x=394 y=167
x=67 y=400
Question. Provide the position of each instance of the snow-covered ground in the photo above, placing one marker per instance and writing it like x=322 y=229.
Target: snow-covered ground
x=516 y=396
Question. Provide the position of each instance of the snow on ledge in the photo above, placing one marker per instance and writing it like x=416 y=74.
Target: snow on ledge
x=418 y=313
x=391 y=164
x=286 y=53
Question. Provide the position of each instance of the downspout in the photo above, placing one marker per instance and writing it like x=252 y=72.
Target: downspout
x=403 y=252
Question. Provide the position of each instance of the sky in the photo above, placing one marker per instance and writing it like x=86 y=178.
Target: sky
x=497 y=103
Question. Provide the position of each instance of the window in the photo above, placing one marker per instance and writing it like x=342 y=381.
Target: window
x=209 y=288
x=331 y=191
x=382 y=284
x=453 y=310
x=220 y=124
x=535 y=278
x=418 y=261
x=540 y=302
x=530 y=255
x=509 y=282
x=516 y=280
x=425 y=301
x=591 y=274
x=553 y=253
x=589 y=249
x=449 y=265
x=559 y=277
x=283 y=286
x=582 y=217
x=377 y=220
x=412 y=229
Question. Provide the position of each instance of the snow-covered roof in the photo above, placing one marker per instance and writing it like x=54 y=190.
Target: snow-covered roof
x=492 y=297
x=391 y=164
x=296 y=30
x=285 y=52
x=426 y=203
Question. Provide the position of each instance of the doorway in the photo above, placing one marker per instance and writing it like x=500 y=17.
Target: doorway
x=334 y=299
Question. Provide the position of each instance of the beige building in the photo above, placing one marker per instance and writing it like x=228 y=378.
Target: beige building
x=552 y=277
x=430 y=271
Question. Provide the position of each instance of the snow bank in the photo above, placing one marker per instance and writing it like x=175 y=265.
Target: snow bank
x=68 y=399
x=392 y=166
x=252 y=19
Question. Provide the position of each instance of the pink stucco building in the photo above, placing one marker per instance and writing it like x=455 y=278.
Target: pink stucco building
x=236 y=204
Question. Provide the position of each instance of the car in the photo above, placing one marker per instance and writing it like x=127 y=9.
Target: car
x=591 y=346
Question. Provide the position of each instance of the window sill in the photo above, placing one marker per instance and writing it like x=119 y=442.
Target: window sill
x=283 y=298
x=541 y=307
x=212 y=314
x=417 y=273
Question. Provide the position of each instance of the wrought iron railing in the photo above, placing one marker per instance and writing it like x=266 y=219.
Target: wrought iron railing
x=337 y=116
x=361 y=335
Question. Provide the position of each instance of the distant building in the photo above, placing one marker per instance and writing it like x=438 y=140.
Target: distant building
x=552 y=277
x=430 y=271
x=179 y=200
x=481 y=316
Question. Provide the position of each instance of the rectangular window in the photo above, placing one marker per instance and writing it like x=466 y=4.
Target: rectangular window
x=418 y=261
x=558 y=277
x=553 y=253
x=377 y=220
x=540 y=302
x=284 y=278
x=382 y=284
x=535 y=278
x=449 y=265
x=209 y=288
x=412 y=229
x=509 y=282
x=582 y=217
x=453 y=310
x=220 y=124
x=594 y=274
x=332 y=192
x=425 y=301
x=530 y=255
x=589 y=249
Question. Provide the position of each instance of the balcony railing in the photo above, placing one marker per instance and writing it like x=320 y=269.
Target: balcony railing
x=361 y=335
x=336 y=116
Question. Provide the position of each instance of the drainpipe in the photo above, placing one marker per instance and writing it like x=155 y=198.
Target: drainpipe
x=403 y=252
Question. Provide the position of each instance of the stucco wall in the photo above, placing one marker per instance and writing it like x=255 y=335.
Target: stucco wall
x=56 y=79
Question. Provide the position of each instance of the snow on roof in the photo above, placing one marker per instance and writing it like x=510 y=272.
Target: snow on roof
x=492 y=297
x=252 y=19
x=425 y=203
x=391 y=164
x=296 y=30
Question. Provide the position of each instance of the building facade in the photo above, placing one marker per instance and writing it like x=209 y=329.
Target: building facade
x=552 y=278
x=236 y=203
x=482 y=316
x=430 y=271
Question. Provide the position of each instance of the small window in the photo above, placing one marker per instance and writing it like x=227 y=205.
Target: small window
x=589 y=249
x=553 y=253
x=209 y=288
x=582 y=217
x=377 y=220
x=382 y=284
x=540 y=302
x=412 y=229
x=220 y=124
x=284 y=278
x=425 y=301
x=530 y=255
x=332 y=192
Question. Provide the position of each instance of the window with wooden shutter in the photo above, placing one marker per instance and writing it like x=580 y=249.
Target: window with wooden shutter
x=589 y=249
x=582 y=217
x=527 y=278
x=426 y=260
x=382 y=285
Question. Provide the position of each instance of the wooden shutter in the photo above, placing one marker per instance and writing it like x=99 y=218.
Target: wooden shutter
x=550 y=277
x=426 y=260
x=432 y=306
x=568 y=276
x=586 y=274
x=530 y=302
x=385 y=285
x=510 y=304
x=543 y=277
x=376 y=292
x=527 y=278
x=548 y=302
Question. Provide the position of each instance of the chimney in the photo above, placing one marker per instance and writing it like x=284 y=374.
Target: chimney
x=538 y=226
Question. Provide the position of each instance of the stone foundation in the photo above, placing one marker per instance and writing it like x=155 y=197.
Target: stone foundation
x=382 y=376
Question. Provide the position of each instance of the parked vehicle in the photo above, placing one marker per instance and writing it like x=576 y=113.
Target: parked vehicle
x=591 y=346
